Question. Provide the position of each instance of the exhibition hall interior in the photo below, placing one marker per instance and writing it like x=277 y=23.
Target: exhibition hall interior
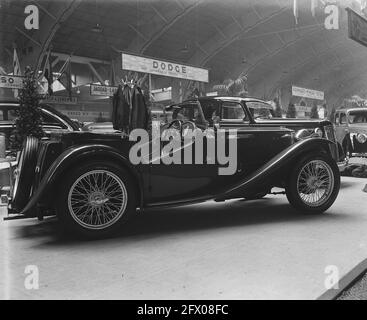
x=183 y=150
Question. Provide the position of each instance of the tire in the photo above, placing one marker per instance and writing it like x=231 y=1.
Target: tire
x=24 y=173
x=314 y=199
x=88 y=186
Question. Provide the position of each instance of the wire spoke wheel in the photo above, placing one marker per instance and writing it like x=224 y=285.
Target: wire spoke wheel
x=97 y=199
x=315 y=183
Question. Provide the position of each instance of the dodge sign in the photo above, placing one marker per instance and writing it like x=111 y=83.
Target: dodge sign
x=163 y=68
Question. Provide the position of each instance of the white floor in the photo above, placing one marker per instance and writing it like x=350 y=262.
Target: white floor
x=234 y=250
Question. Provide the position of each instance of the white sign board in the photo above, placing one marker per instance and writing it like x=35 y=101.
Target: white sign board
x=212 y=94
x=302 y=108
x=85 y=115
x=98 y=90
x=164 y=68
x=12 y=82
x=60 y=99
x=162 y=95
x=307 y=93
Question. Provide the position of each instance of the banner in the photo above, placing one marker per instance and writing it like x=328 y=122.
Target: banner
x=164 y=68
x=307 y=93
x=98 y=90
x=12 y=82
x=86 y=116
x=60 y=99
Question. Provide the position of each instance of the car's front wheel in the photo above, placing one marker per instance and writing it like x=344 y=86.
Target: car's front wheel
x=313 y=184
x=96 y=200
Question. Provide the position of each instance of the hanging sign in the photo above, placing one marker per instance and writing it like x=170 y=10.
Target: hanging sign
x=86 y=115
x=60 y=99
x=12 y=82
x=307 y=93
x=164 y=68
x=357 y=27
x=98 y=90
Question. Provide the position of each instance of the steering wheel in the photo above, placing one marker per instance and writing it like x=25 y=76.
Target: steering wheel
x=176 y=124
x=188 y=125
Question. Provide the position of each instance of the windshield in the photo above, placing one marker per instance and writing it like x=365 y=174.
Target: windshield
x=260 y=110
x=187 y=112
x=358 y=116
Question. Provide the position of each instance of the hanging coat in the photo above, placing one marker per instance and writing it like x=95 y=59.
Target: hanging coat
x=121 y=108
x=139 y=110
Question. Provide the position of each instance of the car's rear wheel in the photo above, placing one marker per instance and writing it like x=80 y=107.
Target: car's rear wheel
x=96 y=200
x=24 y=173
x=313 y=184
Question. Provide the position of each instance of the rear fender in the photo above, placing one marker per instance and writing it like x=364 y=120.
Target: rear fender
x=69 y=159
x=277 y=166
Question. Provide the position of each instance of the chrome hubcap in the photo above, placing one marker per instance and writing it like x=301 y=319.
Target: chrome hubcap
x=97 y=199
x=315 y=183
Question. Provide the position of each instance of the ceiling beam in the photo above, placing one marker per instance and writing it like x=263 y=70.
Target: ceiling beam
x=79 y=59
x=293 y=70
x=236 y=30
x=95 y=72
x=274 y=52
x=155 y=34
x=159 y=14
x=54 y=17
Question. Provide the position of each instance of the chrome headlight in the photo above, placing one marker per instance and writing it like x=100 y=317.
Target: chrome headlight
x=361 y=137
x=319 y=132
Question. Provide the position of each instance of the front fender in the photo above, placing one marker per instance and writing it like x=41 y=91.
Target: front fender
x=280 y=163
x=71 y=157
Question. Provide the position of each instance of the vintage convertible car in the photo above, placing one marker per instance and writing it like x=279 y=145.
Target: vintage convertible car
x=90 y=182
x=351 y=131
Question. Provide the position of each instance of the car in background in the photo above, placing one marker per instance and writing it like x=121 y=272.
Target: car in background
x=52 y=120
x=351 y=131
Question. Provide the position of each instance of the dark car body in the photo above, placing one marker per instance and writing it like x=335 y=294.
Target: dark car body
x=351 y=130
x=52 y=120
x=264 y=156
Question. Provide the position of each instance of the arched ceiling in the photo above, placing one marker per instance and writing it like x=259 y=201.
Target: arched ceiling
x=234 y=37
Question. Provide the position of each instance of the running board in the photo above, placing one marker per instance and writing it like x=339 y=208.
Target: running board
x=16 y=217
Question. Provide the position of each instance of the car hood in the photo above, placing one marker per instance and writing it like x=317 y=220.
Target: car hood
x=292 y=121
